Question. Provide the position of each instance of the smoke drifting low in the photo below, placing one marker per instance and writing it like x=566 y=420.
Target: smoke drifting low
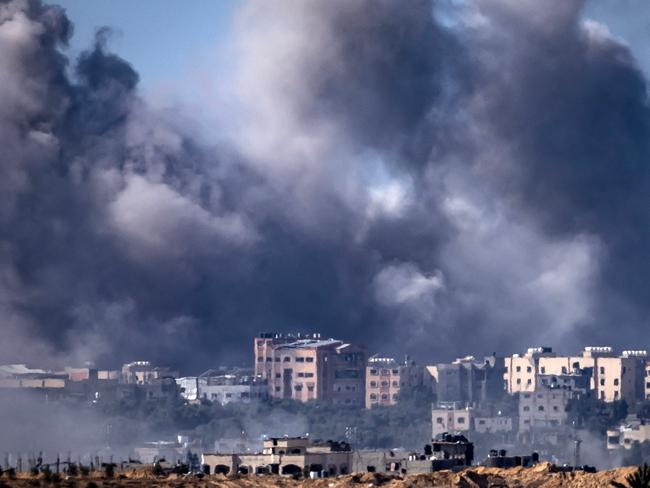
x=416 y=178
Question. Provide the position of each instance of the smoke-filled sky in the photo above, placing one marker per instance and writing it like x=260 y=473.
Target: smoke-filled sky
x=439 y=178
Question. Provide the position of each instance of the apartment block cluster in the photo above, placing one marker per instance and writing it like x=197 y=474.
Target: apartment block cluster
x=309 y=367
x=544 y=383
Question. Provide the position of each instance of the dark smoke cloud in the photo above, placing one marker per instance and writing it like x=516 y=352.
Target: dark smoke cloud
x=439 y=186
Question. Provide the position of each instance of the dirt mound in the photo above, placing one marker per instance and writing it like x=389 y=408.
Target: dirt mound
x=541 y=476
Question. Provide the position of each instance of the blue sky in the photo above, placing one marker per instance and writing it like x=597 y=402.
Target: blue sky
x=173 y=43
x=166 y=41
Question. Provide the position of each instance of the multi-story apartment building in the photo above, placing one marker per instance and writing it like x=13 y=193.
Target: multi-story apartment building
x=312 y=368
x=467 y=380
x=386 y=379
x=543 y=410
x=521 y=370
x=612 y=377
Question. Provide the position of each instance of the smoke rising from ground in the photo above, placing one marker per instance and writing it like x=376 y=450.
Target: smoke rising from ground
x=454 y=184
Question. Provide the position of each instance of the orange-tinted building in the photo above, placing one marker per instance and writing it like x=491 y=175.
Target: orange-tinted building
x=305 y=368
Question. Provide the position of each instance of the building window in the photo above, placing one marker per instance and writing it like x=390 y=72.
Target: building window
x=309 y=375
x=384 y=397
x=278 y=375
x=543 y=369
x=602 y=382
x=309 y=360
x=555 y=408
x=439 y=420
x=519 y=381
x=260 y=359
x=394 y=396
x=373 y=384
x=310 y=388
x=616 y=394
x=385 y=372
x=269 y=360
x=298 y=387
x=373 y=396
x=615 y=381
x=277 y=388
x=526 y=395
x=395 y=383
x=461 y=420
x=287 y=359
x=540 y=408
x=396 y=371
x=529 y=369
x=518 y=369
x=602 y=370
x=384 y=383
x=526 y=408
x=529 y=381
x=373 y=372
x=564 y=370
x=300 y=360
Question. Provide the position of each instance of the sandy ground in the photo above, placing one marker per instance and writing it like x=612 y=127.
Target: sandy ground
x=480 y=477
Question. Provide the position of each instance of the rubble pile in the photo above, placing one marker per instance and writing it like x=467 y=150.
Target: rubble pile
x=541 y=476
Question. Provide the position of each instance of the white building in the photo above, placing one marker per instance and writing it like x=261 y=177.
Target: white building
x=223 y=389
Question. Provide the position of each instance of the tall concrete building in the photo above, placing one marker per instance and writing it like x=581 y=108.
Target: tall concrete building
x=612 y=377
x=387 y=379
x=310 y=368
x=468 y=381
x=521 y=370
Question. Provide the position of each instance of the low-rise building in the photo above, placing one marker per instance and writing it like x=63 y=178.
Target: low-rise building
x=493 y=425
x=223 y=388
x=632 y=431
x=445 y=452
x=453 y=419
x=286 y=456
x=143 y=372
x=21 y=377
x=387 y=379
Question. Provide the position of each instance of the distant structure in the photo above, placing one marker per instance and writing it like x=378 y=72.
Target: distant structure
x=305 y=368
x=387 y=378
x=632 y=431
x=143 y=373
x=286 y=456
x=223 y=387
x=612 y=377
x=468 y=381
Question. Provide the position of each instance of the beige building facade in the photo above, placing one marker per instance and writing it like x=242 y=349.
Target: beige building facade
x=284 y=456
x=451 y=420
x=386 y=379
x=613 y=377
x=544 y=408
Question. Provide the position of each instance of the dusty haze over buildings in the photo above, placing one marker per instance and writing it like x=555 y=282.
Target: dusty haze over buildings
x=431 y=177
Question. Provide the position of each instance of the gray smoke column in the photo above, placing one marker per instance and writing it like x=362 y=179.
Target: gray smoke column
x=445 y=181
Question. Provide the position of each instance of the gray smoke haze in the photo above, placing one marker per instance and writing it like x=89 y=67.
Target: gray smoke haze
x=435 y=178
